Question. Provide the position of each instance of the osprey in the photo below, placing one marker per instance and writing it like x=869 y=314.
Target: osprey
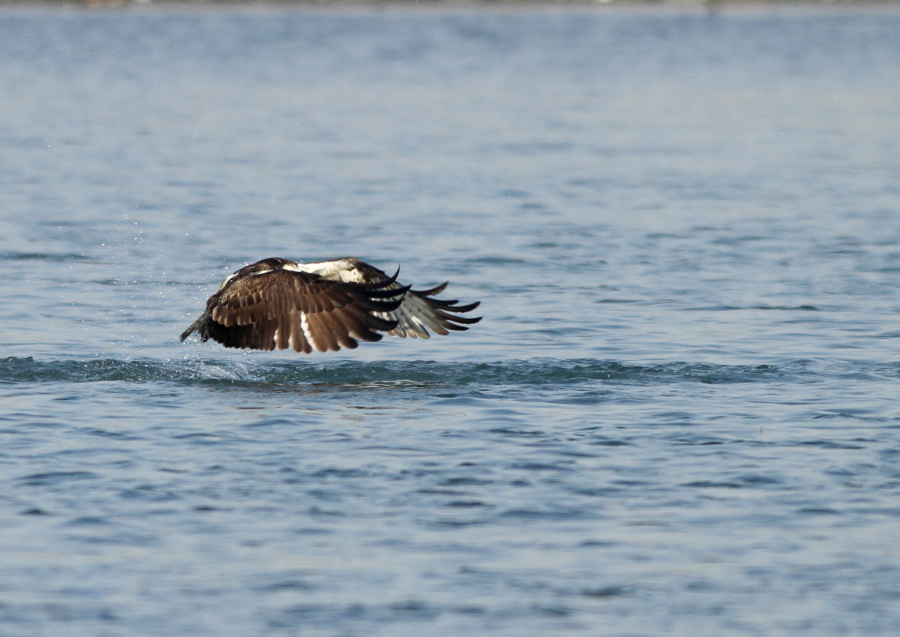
x=325 y=306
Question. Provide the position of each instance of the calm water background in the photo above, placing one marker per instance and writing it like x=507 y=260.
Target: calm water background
x=679 y=416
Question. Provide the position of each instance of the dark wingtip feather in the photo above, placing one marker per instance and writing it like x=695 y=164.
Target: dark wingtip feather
x=435 y=290
x=195 y=326
x=465 y=308
x=386 y=282
x=464 y=319
x=381 y=293
x=382 y=306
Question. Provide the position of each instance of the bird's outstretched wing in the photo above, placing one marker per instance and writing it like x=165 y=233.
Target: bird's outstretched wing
x=418 y=310
x=282 y=308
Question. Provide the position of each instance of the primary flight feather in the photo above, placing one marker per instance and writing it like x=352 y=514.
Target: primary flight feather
x=326 y=305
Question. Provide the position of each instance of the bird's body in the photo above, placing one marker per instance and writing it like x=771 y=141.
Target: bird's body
x=326 y=305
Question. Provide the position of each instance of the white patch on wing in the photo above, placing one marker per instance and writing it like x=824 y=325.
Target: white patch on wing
x=227 y=279
x=304 y=325
x=292 y=340
x=346 y=270
x=296 y=267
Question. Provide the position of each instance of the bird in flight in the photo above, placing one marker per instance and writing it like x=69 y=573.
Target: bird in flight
x=277 y=303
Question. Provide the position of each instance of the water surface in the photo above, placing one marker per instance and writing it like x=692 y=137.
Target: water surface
x=679 y=415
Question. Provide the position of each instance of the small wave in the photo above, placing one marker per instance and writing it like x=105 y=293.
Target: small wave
x=28 y=370
x=42 y=256
x=532 y=372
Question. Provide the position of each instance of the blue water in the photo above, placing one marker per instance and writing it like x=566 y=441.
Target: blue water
x=679 y=416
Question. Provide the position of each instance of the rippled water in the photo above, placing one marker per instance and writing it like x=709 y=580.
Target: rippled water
x=679 y=415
